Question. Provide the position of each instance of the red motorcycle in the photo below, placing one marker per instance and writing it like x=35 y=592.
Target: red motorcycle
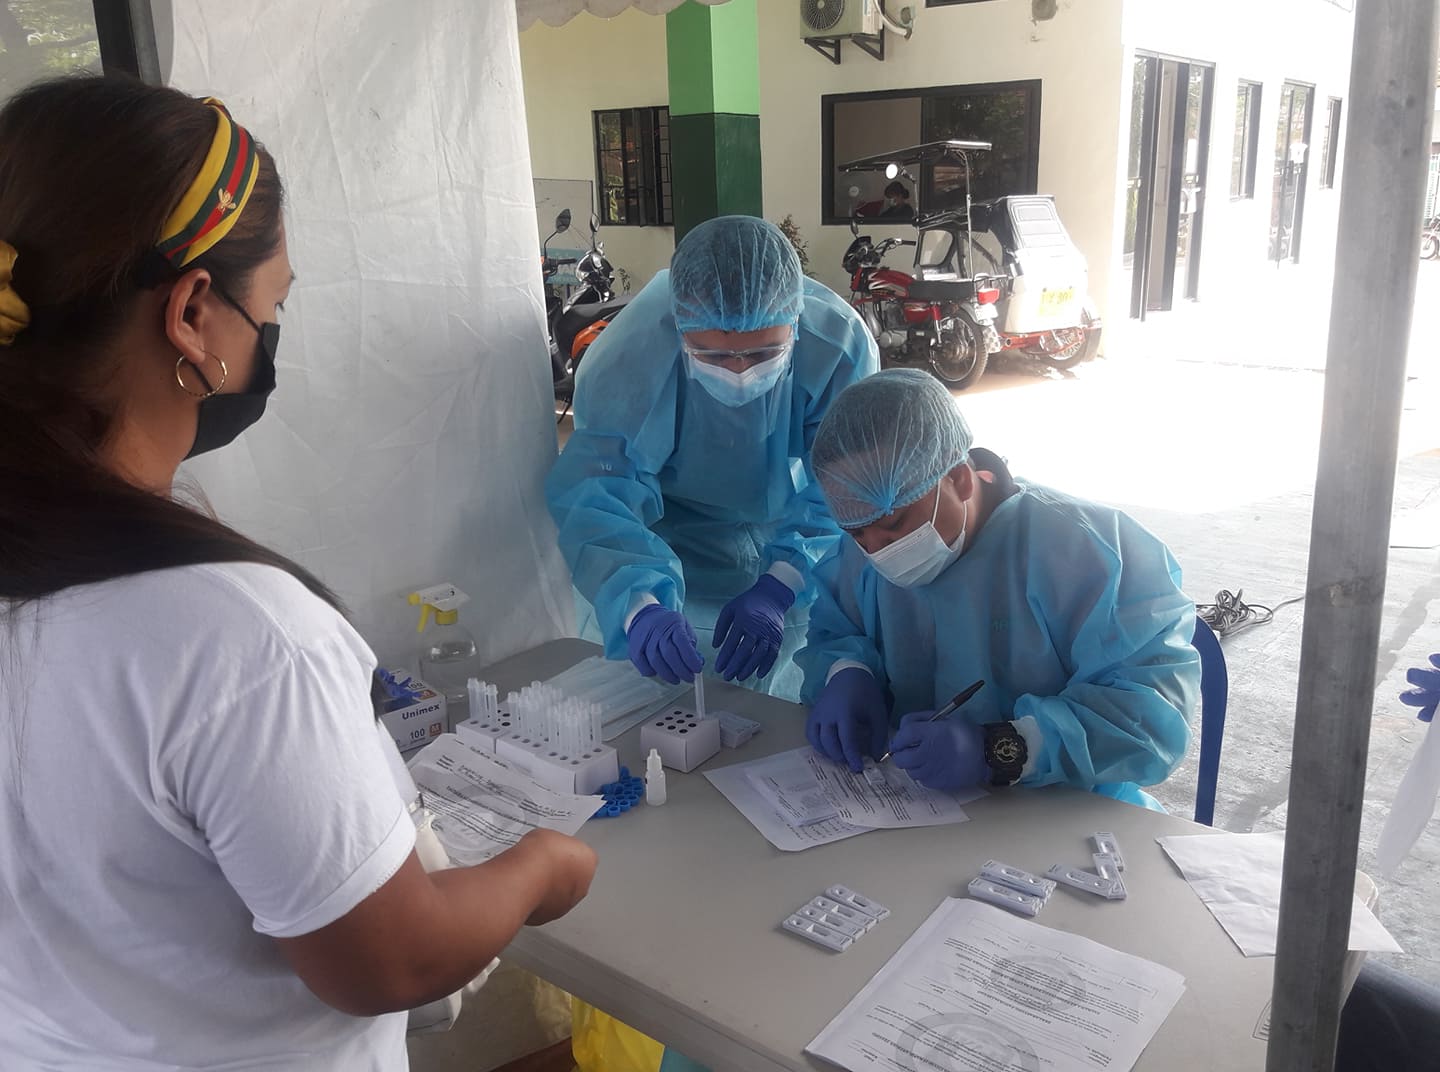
x=944 y=316
x=945 y=325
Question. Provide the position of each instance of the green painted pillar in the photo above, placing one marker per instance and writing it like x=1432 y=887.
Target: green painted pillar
x=714 y=68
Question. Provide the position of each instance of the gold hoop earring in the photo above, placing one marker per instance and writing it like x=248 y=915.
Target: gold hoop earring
x=224 y=375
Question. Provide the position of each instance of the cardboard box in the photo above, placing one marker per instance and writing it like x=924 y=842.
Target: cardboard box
x=414 y=720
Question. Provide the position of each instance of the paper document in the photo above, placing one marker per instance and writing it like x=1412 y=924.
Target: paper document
x=1238 y=878
x=977 y=989
x=483 y=807
x=893 y=799
x=741 y=785
x=1413 y=805
x=798 y=799
x=794 y=793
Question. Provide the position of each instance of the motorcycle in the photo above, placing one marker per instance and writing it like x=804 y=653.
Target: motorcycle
x=942 y=317
x=945 y=326
x=575 y=322
x=1033 y=298
x=1430 y=239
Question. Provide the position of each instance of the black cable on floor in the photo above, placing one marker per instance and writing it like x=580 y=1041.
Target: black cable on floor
x=1230 y=613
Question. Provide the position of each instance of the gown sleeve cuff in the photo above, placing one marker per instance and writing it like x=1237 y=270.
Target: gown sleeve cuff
x=847 y=664
x=787 y=575
x=639 y=603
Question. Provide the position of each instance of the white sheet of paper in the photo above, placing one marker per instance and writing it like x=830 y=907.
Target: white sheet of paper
x=483 y=807
x=975 y=988
x=1238 y=878
x=799 y=799
x=1413 y=805
x=737 y=786
x=897 y=801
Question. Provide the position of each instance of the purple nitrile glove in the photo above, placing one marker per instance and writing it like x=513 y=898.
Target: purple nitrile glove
x=662 y=644
x=750 y=629
x=1426 y=694
x=945 y=755
x=848 y=720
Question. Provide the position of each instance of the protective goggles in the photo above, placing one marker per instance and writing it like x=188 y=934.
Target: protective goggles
x=746 y=358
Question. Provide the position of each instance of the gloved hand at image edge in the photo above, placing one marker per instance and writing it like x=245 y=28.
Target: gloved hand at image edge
x=1426 y=694
x=848 y=720
x=945 y=755
x=662 y=644
x=751 y=628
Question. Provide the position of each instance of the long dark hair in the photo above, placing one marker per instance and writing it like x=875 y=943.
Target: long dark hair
x=89 y=169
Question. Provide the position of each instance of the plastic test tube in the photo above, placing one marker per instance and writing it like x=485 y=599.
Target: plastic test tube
x=700 y=694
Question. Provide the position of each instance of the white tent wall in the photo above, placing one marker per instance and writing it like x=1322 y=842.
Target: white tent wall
x=409 y=436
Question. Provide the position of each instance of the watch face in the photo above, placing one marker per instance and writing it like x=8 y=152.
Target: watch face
x=1007 y=751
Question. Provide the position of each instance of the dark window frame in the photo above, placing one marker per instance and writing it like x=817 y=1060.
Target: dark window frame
x=1032 y=86
x=1301 y=171
x=1255 y=92
x=1333 y=112
x=645 y=182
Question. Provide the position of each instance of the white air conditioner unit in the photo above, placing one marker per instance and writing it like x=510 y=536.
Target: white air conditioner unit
x=839 y=18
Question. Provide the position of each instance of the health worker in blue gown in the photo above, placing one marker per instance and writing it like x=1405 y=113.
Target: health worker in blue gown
x=684 y=500
x=956 y=572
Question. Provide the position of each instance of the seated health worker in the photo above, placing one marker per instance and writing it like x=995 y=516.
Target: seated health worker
x=1070 y=612
x=684 y=501
x=206 y=860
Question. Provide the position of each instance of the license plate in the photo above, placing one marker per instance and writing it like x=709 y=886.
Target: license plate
x=1053 y=300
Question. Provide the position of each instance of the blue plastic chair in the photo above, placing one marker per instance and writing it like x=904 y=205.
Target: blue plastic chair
x=1214 y=688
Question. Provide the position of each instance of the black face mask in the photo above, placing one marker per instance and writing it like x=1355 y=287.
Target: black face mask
x=223 y=417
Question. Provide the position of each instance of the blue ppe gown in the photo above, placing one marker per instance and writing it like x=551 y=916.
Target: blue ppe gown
x=664 y=492
x=1072 y=614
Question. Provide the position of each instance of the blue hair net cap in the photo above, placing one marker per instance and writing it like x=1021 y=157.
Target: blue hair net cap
x=885 y=442
x=735 y=273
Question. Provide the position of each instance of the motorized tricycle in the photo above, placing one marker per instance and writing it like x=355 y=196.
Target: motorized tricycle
x=989 y=276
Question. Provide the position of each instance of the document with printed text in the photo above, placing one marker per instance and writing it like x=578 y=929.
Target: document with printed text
x=483 y=806
x=975 y=988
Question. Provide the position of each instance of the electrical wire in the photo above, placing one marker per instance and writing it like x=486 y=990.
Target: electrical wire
x=1230 y=613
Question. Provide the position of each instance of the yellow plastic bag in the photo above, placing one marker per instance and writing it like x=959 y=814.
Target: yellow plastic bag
x=601 y=1043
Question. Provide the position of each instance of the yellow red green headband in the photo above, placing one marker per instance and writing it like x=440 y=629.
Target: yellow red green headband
x=218 y=195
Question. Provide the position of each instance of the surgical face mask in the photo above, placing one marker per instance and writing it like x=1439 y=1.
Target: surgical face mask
x=737 y=388
x=917 y=558
x=223 y=417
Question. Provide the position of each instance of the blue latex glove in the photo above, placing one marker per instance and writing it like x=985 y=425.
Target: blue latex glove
x=662 y=644
x=946 y=755
x=1426 y=694
x=750 y=629
x=848 y=720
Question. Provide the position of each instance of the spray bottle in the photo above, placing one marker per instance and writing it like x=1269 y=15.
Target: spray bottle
x=448 y=658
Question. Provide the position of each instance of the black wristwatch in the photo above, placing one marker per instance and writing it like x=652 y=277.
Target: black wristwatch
x=1005 y=752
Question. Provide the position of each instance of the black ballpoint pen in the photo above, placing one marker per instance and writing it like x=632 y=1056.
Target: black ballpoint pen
x=961 y=698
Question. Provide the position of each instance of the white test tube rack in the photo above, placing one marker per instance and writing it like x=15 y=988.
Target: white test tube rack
x=684 y=738
x=553 y=738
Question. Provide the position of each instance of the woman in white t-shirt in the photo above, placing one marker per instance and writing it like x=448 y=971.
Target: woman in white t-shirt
x=204 y=860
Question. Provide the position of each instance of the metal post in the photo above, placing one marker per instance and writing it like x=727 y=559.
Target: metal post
x=1387 y=143
x=126 y=29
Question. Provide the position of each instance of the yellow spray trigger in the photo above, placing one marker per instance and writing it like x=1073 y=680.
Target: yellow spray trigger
x=443 y=600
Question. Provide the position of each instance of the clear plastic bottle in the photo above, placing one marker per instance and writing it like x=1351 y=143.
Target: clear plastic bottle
x=448 y=657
